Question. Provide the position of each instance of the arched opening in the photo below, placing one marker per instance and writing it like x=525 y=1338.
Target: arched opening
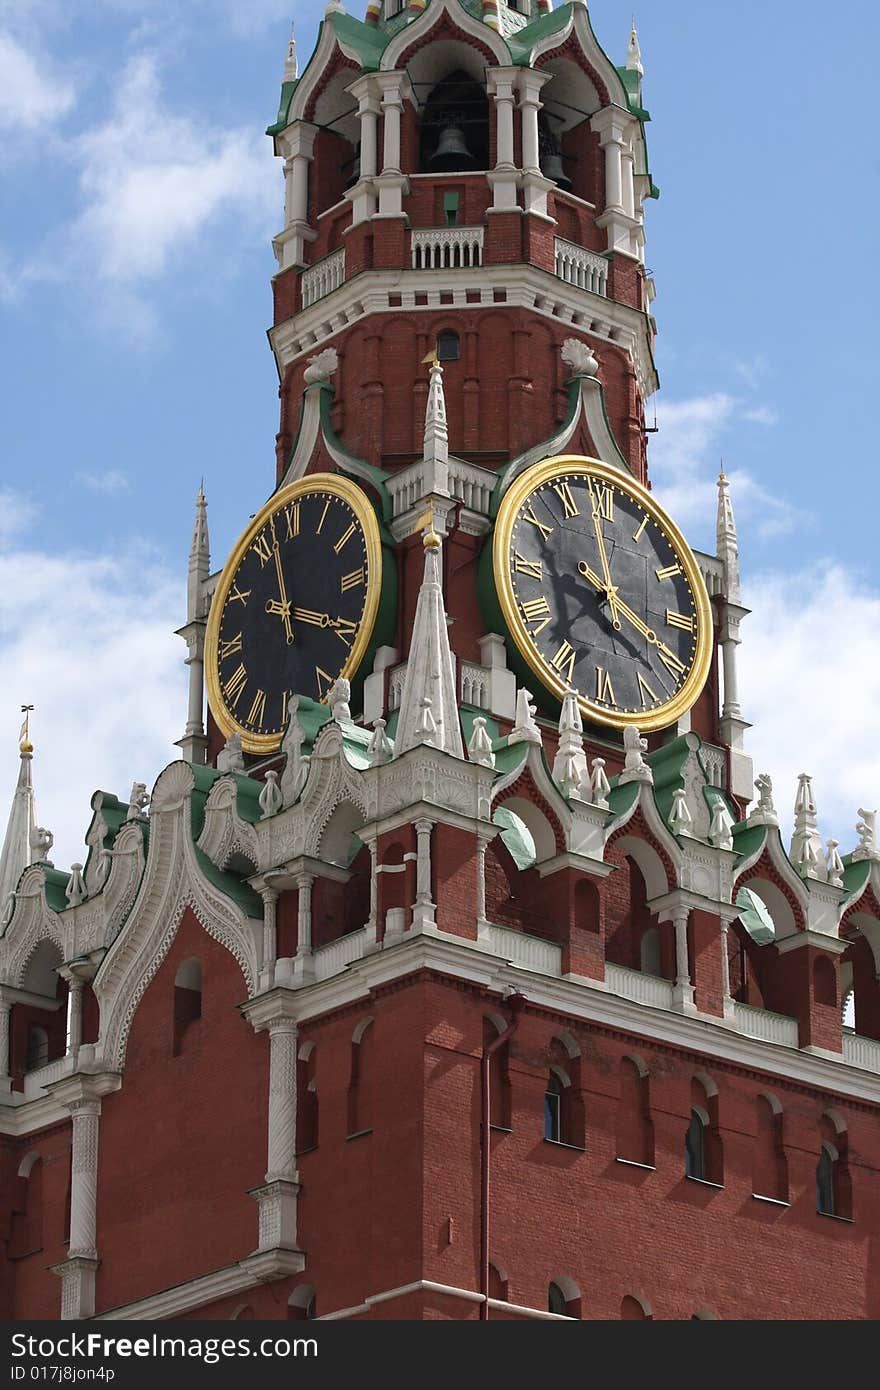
x=635 y=1309
x=455 y=127
x=564 y=1298
x=635 y=1128
x=826 y=1181
x=306 y=1098
x=695 y=1145
x=769 y=1165
x=569 y=150
x=448 y=346
x=361 y=1079
x=650 y=962
x=497 y=1282
x=37 y=1054
x=704 y=1155
x=833 y=1181
x=187 y=1001
x=553 y=1110
x=38 y=1028
x=302 y=1305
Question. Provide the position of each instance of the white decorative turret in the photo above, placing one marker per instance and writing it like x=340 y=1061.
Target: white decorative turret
x=681 y=821
x=16 y=853
x=75 y=889
x=807 y=849
x=379 y=748
x=733 y=726
x=727 y=543
x=721 y=829
x=428 y=707
x=436 y=434
x=291 y=67
x=834 y=864
x=480 y=747
x=570 y=765
x=597 y=788
x=634 y=53
x=271 y=800
x=194 y=742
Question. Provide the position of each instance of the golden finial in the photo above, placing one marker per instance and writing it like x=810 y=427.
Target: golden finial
x=425 y=523
x=25 y=746
x=432 y=359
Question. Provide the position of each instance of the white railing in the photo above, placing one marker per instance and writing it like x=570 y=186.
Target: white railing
x=769 y=1027
x=322 y=279
x=861 y=1052
x=531 y=952
x=578 y=266
x=396 y=682
x=468 y=483
x=34 y=1081
x=447 y=248
x=642 y=989
x=712 y=570
x=715 y=760
x=336 y=955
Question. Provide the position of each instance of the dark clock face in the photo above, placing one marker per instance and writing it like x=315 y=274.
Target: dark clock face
x=602 y=594
x=294 y=608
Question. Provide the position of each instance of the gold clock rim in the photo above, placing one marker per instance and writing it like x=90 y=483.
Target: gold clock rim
x=529 y=481
x=359 y=502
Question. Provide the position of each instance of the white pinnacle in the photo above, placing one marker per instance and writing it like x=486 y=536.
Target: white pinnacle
x=199 y=561
x=807 y=849
x=16 y=853
x=680 y=819
x=570 y=764
x=428 y=707
x=291 y=67
x=727 y=543
x=634 y=53
x=437 y=434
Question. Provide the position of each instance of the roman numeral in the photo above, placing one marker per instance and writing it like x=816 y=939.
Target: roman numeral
x=647 y=693
x=262 y=547
x=669 y=573
x=291 y=516
x=345 y=631
x=284 y=699
x=324 y=682
x=685 y=621
x=238 y=597
x=641 y=531
x=533 y=568
x=323 y=517
x=230 y=648
x=344 y=539
x=234 y=686
x=536 y=610
x=351 y=581
x=672 y=663
x=563 y=490
x=564 y=660
x=604 y=502
x=258 y=710
x=529 y=516
x=604 y=689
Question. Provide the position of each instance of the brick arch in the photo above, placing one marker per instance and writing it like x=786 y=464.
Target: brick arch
x=765 y=869
x=337 y=64
x=446 y=29
x=638 y=823
x=525 y=789
x=572 y=50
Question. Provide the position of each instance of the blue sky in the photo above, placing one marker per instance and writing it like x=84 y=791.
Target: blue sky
x=138 y=197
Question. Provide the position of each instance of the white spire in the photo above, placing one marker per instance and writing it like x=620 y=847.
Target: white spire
x=807 y=849
x=634 y=52
x=428 y=708
x=16 y=853
x=727 y=545
x=199 y=561
x=436 y=433
x=291 y=67
x=570 y=764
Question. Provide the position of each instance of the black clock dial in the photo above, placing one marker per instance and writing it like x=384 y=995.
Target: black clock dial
x=603 y=595
x=292 y=607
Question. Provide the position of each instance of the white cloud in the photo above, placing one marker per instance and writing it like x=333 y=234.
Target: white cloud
x=810 y=681
x=90 y=642
x=762 y=415
x=32 y=92
x=153 y=181
x=686 y=457
x=17 y=511
x=112 y=480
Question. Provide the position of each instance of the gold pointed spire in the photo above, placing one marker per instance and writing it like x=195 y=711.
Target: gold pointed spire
x=24 y=745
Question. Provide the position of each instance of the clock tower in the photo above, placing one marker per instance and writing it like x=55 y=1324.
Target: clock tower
x=457 y=943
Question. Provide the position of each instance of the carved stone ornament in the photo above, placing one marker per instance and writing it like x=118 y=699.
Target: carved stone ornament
x=579 y=358
x=138 y=802
x=323 y=365
x=41 y=841
x=867 y=833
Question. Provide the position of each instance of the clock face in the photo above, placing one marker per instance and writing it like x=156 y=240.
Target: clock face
x=295 y=607
x=601 y=593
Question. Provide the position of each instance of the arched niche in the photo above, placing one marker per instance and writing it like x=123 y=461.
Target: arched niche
x=777 y=905
x=338 y=844
x=455 y=119
x=537 y=824
x=642 y=853
x=40 y=973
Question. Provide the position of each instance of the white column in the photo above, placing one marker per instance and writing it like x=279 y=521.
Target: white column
x=503 y=179
x=362 y=196
x=281 y=1149
x=5 y=1014
x=683 y=994
x=535 y=185
x=304 y=915
x=373 y=923
x=725 y=972
x=85 y=1116
x=392 y=184
x=629 y=180
x=270 y=933
x=297 y=144
x=424 y=909
x=392 y=108
x=482 y=921
x=74 y=1016
x=613 y=126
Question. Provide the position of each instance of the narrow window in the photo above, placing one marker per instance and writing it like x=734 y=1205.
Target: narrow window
x=359 y=1114
x=306 y=1099
x=695 y=1147
x=187 y=1001
x=553 y=1111
x=448 y=346
x=302 y=1304
x=450 y=209
x=556 y=1301
x=826 y=1182
x=635 y=1128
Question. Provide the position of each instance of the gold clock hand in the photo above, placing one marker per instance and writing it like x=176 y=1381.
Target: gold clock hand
x=285 y=604
x=641 y=627
x=308 y=615
x=609 y=587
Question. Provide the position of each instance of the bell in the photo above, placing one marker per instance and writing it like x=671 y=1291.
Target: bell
x=552 y=168
x=452 y=152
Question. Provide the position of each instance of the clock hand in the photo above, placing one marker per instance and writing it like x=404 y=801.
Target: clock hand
x=609 y=587
x=308 y=615
x=641 y=627
x=285 y=604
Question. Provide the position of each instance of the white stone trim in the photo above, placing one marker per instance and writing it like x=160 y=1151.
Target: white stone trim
x=183 y=1298
x=446 y=1291
x=538 y=291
